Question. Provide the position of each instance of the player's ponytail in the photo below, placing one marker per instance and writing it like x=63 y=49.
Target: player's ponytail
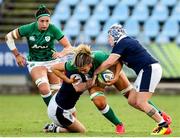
x=42 y=11
x=83 y=55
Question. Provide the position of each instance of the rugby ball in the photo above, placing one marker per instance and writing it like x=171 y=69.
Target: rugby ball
x=105 y=76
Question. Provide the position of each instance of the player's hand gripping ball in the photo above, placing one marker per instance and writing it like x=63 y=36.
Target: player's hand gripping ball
x=105 y=76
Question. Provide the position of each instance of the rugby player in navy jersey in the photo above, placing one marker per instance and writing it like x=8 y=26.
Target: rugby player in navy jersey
x=61 y=109
x=129 y=51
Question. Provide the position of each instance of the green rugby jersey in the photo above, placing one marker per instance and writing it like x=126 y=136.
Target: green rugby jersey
x=41 y=43
x=98 y=58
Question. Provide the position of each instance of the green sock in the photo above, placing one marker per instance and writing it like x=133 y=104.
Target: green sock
x=151 y=103
x=109 y=114
x=47 y=98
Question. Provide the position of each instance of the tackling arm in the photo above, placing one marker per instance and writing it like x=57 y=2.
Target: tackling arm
x=59 y=69
x=83 y=86
x=117 y=70
x=107 y=63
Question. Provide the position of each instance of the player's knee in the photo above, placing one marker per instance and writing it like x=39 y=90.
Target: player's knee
x=44 y=89
x=43 y=85
x=100 y=102
x=125 y=92
x=41 y=81
x=140 y=104
x=83 y=129
x=98 y=99
x=131 y=102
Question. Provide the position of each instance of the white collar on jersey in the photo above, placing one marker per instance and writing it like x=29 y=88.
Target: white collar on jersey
x=123 y=36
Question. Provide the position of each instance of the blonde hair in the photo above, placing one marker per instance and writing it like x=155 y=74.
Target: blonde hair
x=82 y=55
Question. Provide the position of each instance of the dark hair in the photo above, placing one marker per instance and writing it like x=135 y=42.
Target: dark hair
x=42 y=10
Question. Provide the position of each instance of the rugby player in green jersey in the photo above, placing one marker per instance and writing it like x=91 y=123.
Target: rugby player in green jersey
x=40 y=36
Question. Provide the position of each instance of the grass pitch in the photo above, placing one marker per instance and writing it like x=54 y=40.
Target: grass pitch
x=25 y=115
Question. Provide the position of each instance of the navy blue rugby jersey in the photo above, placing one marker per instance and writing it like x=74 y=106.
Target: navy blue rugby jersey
x=67 y=96
x=133 y=54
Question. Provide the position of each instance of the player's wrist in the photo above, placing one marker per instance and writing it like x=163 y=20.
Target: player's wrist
x=17 y=54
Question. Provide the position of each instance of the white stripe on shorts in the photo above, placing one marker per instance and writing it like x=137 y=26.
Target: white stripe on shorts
x=154 y=78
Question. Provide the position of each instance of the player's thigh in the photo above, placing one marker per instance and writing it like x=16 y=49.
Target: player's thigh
x=38 y=72
x=95 y=89
x=53 y=79
x=122 y=82
x=76 y=126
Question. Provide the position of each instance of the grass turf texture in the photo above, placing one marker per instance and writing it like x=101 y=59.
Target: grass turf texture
x=25 y=115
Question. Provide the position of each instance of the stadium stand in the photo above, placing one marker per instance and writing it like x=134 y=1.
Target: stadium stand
x=62 y=13
x=120 y=13
x=168 y=3
x=71 y=3
x=149 y=3
x=132 y=27
x=92 y=28
x=18 y=12
x=140 y=13
x=105 y=12
x=151 y=28
x=160 y=13
x=100 y=39
x=110 y=3
x=178 y=40
x=110 y=22
x=101 y=13
x=156 y=22
x=170 y=28
x=130 y=3
x=72 y=28
x=83 y=10
x=176 y=13
x=162 y=39
x=90 y=3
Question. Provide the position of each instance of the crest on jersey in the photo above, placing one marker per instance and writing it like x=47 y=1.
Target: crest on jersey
x=47 y=38
x=32 y=38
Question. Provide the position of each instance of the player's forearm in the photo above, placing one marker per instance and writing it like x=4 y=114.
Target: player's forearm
x=9 y=38
x=83 y=86
x=105 y=65
x=61 y=75
x=117 y=70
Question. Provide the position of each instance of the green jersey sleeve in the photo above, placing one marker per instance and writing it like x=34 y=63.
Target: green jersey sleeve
x=69 y=66
x=25 y=30
x=58 y=34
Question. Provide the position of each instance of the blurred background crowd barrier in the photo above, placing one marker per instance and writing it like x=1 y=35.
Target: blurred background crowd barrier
x=155 y=23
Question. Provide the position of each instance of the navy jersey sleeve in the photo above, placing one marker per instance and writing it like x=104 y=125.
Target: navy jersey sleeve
x=119 y=49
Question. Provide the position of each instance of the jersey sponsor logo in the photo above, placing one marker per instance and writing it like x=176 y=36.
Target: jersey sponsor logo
x=47 y=38
x=37 y=47
x=32 y=38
